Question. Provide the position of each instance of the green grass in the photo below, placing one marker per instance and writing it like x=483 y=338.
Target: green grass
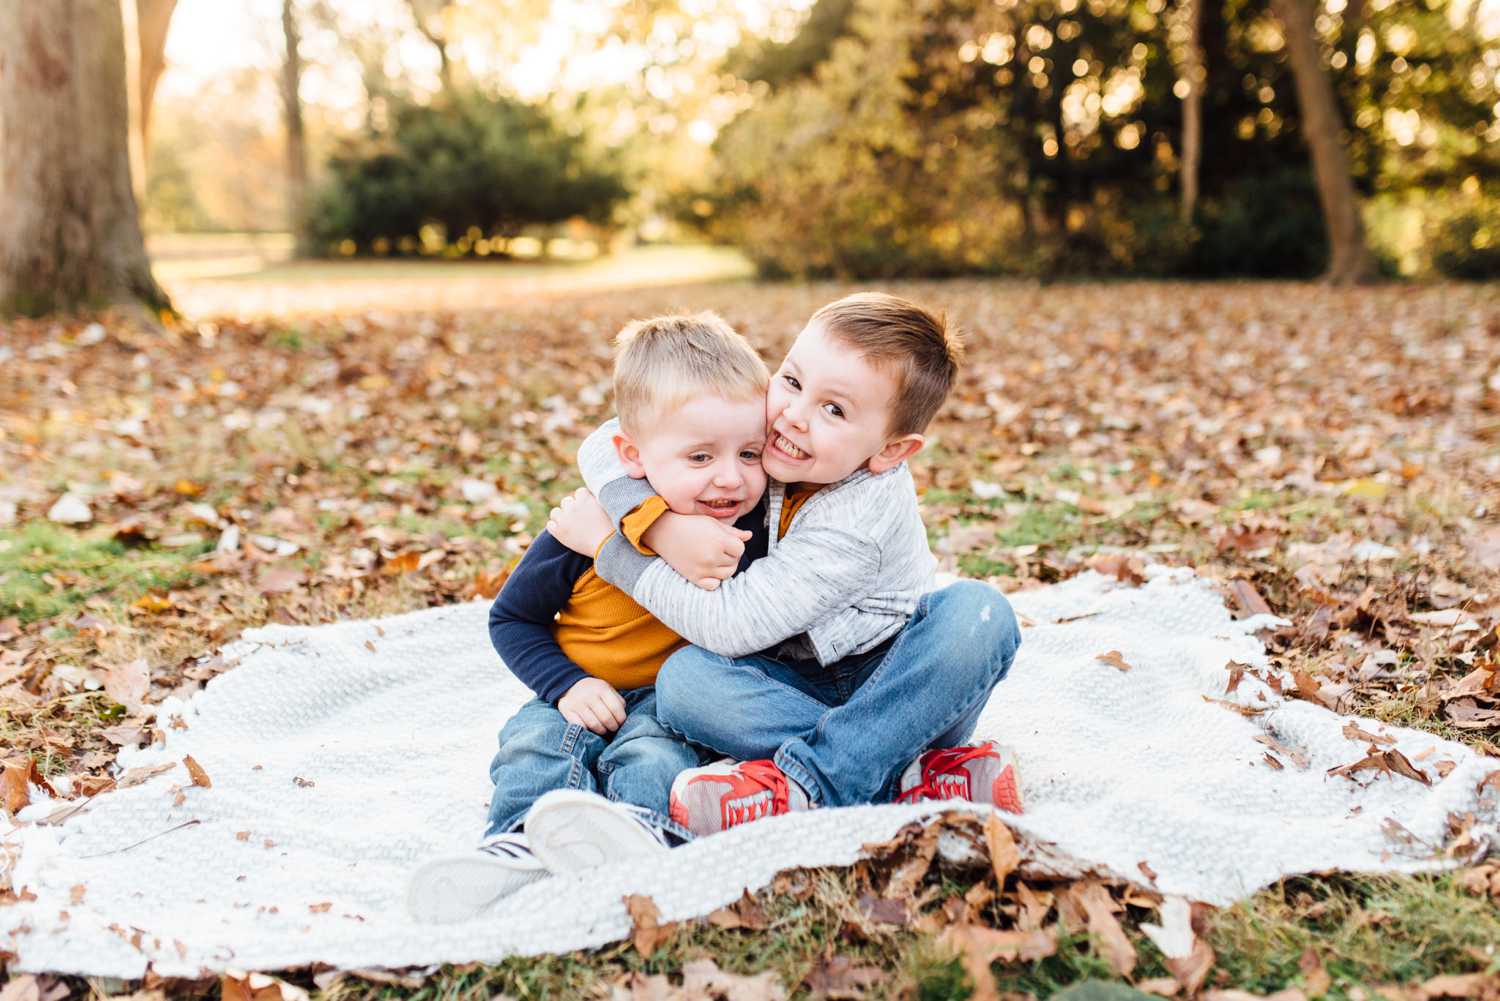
x=48 y=570
x=1043 y=524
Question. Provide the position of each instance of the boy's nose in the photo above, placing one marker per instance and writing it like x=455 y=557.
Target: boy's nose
x=795 y=417
x=727 y=474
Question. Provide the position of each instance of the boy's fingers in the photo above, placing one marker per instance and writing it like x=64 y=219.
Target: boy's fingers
x=744 y=535
x=590 y=720
x=615 y=707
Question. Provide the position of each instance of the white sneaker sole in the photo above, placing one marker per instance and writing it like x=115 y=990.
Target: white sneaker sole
x=460 y=887
x=571 y=830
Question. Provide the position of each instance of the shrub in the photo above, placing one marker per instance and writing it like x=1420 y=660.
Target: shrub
x=1463 y=241
x=466 y=162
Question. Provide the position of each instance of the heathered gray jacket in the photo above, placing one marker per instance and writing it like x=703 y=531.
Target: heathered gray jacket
x=846 y=577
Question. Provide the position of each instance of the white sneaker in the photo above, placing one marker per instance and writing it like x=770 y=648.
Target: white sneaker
x=460 y=887
x=570 y=829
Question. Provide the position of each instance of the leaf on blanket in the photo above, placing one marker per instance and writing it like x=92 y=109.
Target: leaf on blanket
x=1247 y=599
x=837 y=977
x=1115 y=660
x=1236 y=675
x=1098 y=909
x=647 y=929
x=136 y=776
x=1004 y=855
x=1297 y=757
x=1353 y=731
x=1125 y=569
x=236 y=985
x=1388 y=762
x=1249 y=711
x=15 y=792
x=200 y=777
x=977 y=947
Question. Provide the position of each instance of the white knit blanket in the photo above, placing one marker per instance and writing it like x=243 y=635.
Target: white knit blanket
x=342 y=756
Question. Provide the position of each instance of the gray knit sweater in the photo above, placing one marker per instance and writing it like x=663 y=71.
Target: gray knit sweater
x=846 y=577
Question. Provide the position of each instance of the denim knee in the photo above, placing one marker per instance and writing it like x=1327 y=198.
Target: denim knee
x=681 y=685
x=980 y=617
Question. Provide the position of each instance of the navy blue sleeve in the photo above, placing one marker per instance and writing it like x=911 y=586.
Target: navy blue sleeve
x=522 y=617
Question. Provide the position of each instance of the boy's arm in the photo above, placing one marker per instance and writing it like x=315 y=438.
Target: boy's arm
x=618 y=493
x=815 y=571
x=522 y=616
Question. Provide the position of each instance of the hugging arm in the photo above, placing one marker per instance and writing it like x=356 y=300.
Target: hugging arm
x=815 y=571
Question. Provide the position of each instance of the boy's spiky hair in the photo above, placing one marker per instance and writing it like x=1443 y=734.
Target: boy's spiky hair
x=886 y=329
x=665 y=361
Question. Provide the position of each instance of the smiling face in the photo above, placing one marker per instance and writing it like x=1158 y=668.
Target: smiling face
x=829 y=412
x=703 y=457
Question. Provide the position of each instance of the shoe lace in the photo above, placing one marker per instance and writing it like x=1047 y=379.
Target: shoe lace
x=942 y=762
x=507 y=846
x=647 y=819
x=766 y=775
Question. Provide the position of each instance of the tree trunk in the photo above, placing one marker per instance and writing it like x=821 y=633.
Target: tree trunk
x=424 y=24
x=1350 y=260
x=146 y=23
x=296 y=145
x=1192 y=108
x=153 y=18
x=70 y=236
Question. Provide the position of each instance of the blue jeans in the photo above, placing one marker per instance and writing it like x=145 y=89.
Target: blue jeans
x=846 y=731
x=541 y=751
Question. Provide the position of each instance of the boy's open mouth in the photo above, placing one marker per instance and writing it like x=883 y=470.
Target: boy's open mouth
x=784 y=445
x=721 y=508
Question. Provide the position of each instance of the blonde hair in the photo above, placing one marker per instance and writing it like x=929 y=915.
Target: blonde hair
x=887 y=329
x=665 y=361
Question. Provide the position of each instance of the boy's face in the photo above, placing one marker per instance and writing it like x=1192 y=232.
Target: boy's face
x=702 y=457
x=829 y=412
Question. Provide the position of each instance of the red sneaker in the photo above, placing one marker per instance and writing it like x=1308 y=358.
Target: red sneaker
x=728 y=793
x=982 y=773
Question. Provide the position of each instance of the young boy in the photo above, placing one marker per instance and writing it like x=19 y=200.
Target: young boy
x=691 y=398
x=869 y=682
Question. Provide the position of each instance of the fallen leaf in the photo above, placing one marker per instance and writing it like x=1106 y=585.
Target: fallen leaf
x=1315 y=979
x=236 y=985
x=321 y=908
x=1114 y=659
x=839 y=978
x=1247 y=598
x=977 y=947
x=1004 y=855
x=647 y=929
x=200 y=777
x=1119 y=566
x=15 y=791
x=702 y=978
x=884 y=910
x=1353 y=731
x=1105 y=927
x=1387 y=761
x=76 y=892
x=128 y=683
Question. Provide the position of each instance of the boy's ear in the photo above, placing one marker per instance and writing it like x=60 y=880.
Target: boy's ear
x=896 y=451
x=630 y=456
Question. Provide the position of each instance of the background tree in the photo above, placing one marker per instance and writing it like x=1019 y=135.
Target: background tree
x=296 y=140
x=1350 y=259
x=69 y=236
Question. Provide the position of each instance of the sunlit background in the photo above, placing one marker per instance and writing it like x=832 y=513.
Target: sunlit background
x=843 y=137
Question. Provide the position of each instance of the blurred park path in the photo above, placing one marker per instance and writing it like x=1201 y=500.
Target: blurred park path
x=253 y=275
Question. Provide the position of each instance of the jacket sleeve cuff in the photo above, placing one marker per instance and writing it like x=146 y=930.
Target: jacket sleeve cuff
x=620 y=564
x=635 y=524
x=622 y=496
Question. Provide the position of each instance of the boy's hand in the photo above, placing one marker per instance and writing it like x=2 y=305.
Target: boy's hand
x=593 y=703
x=580 y=523
x=702 y=549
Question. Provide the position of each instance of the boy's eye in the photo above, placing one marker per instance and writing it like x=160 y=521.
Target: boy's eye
x=750 y=455
x=700 y=457
x=833 y=409
x=791 y=380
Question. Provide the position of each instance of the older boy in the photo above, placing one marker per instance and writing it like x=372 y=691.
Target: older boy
x=690 y=393
x=868 y=681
